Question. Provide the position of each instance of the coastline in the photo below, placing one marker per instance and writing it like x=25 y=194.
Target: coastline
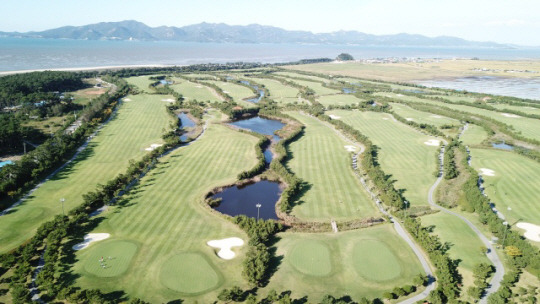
x=94 y=68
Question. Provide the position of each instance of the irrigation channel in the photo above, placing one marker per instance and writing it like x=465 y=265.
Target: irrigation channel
x=491 y=254
x=261 y=92
x=258 y=199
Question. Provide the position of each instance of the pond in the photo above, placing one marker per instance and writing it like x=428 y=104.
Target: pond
x=414 y=91
x=185 y=122
x=244 y=200
x=261 y=92
x=260 y=125
x=7 y=162
x=502 y=146
x=348 y=91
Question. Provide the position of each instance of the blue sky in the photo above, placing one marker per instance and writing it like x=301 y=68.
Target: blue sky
x=502 y=21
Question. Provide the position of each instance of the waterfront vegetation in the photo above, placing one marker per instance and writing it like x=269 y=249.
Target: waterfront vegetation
x=156 y=189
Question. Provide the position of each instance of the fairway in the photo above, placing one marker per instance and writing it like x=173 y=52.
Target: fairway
x=474 y=135
x=279 y=92
x=141 y=82
x=165 y=215
x=189 y=273
x=236 y=91
x=315 y=86
x=403 y=152
x=515 y=184
x=320 y=158
x=339 y=100
x=194 y=91
x=360 y=263
x=109 y=258
x=422 y=117
x=464 y=243
x=138 y=124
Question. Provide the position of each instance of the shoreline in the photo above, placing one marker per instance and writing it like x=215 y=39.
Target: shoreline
x=94 y=68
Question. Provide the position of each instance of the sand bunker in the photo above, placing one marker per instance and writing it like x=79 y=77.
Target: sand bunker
x=90 y=238
x=225 y=245
x=385 y=118
x=153 y=147
x=334 y=116
x=126 y=99
x=168 y=100
x=532 y=231
x=350 y=148
x=487 y=172
x=436 y=116
x=433 y=142
x=409 y=119
x=226 y=92
x=509 y=115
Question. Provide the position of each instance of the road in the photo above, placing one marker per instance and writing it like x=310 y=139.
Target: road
x=491 y=253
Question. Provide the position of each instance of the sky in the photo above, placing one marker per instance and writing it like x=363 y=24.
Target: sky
x=503 y=21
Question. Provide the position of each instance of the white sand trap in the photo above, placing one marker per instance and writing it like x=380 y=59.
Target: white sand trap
x=199 y=86
x=226 y=92
x=126 y=99
x=168 y=100
x=225 y=245
x=153 y=147
x=400 y=95
x=90 y=238
x=334 y=116
x=532 y=231
x=385 y=118
x=433 y=142
x=436 y=116
x=409 y=119
x=510 y=115
x=487 y=172
x=350 y=148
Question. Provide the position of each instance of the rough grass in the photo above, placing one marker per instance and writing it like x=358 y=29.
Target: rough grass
x=402 y=153
x=165 y=215
x=297 y=75
x=315 y=86
x=138 y=124
x=320 y=158
x=514 y=185
x=194 y=91
x=365 y=263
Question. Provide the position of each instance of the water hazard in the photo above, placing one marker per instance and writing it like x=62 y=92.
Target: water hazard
x=502 y=146
x=244 y=200
x=261 y=92
x=185 y=122
x=260 y=125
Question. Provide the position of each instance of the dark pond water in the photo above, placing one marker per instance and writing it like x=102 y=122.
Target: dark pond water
x=502 y=146
x=261 y=92
x=348 y=91
x=238 y=201
x=260 y=125
x=186 y=121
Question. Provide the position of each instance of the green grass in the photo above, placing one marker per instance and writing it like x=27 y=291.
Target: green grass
x=464 y=243
x=194 y=91
x=525 y=109
x=402 y=153
x=514 y=185
x=339 y=100
x=423 y=117
x=138 y=124
x=297 y=75
x=189 y=272
x=320 y=158
x=528 y=127
x=117 y=256
x=315 y=86
x=359 y=263
x=165 y=216
x=279 y=92
x=141 y=82
x=237 y=92
x=474 y=135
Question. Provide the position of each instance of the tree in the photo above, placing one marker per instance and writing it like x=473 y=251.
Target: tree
x=344 y=57
x=512 y=251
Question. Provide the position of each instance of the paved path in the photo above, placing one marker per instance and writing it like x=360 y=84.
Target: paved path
x=491 y=254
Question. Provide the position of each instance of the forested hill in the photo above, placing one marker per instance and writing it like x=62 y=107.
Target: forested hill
x=253 y=33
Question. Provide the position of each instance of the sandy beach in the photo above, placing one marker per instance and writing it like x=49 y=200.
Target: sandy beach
x=96 y=68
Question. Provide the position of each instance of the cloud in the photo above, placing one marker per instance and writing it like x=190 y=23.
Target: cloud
x=508 y=22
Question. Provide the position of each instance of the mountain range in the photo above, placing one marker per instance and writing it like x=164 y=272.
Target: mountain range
x=223 y=33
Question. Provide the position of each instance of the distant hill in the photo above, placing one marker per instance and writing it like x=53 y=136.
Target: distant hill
x=253 y=33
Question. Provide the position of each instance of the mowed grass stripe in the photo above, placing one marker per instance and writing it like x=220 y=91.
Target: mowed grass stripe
x=138 y=124
x=166 y=217
x=514 y=185
x=402 y=153
x=320 y=158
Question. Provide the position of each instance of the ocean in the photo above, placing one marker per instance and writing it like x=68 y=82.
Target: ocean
x=28 y=54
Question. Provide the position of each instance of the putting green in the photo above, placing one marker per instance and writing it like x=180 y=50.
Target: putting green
x=116 y=255
x=189 y=273
x=373 y=260
x=311 y=257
